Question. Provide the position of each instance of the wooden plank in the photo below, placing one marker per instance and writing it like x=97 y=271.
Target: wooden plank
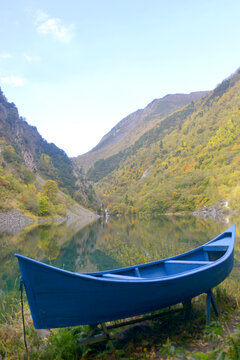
x=215 y=248
x=144 y=318
x=188 y=262
x=97 y=338
x=106 y=336
x=117 y=276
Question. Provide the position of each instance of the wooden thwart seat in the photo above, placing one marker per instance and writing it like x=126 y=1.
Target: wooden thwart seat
x=124 y=277
x=190 y=262
x=213 y=247
x=219 y=245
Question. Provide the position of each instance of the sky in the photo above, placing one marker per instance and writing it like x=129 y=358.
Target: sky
x=75 y=68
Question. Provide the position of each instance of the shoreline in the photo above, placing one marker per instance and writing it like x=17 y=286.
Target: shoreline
x=14 y=221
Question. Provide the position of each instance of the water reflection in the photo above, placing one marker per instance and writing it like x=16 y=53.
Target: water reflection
x=135 y=241
x=101 y=245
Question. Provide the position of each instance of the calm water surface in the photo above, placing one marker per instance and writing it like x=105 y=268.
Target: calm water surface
x=102 y=246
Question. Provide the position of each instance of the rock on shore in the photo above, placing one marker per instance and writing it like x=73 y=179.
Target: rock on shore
x=13 y=221
x=216 y=212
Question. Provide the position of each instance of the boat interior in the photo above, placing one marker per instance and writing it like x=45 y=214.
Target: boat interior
x=194 y=259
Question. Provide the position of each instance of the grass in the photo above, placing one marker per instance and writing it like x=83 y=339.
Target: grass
x=175 y=336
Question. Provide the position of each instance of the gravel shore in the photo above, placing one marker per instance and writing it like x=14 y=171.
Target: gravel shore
x=13 y=221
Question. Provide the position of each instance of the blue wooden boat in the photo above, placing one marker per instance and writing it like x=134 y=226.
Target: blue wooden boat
x=59 y=298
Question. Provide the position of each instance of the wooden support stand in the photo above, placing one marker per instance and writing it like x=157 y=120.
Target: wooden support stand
x=106 y=336
x=210 y=300
x=96 y=337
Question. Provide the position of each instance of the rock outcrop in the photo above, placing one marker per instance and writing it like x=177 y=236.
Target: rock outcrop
x=217 y=212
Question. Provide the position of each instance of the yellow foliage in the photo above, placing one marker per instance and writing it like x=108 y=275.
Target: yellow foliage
x=46 y=158
x=10 y=148
x=236 y=147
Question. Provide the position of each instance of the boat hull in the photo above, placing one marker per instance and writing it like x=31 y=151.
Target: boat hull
x=59 y=298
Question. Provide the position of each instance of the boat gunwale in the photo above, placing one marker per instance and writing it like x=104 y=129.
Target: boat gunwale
x=94 y=277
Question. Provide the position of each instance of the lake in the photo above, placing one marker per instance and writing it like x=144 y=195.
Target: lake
x=105 y=245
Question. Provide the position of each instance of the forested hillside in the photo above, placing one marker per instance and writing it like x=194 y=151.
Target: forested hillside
x=129 y=129
x=189 y=159
x=27 y=160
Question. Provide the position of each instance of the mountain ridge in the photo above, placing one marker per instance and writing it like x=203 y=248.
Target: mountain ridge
x=130 y=128
x=25 y=155
x=186 y=161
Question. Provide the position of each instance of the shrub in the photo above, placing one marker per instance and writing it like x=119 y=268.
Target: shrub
x=10 y=155
x=31 y=203
x=50 y=189
x=44 y=206
x=27 y=176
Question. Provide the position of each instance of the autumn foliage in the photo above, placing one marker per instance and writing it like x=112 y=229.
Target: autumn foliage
x=188 y=160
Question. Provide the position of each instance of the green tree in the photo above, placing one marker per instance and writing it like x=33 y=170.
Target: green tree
x=50 y=189
x=44 y=208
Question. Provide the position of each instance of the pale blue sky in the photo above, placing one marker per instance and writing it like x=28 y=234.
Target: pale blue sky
x=75 y=68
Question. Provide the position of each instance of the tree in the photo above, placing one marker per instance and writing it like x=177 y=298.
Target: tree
x=44 y=208
x=50 y=189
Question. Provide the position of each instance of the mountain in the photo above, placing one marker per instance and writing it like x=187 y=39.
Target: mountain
x=27 y=160
x=129 y=129
x=187 y=160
